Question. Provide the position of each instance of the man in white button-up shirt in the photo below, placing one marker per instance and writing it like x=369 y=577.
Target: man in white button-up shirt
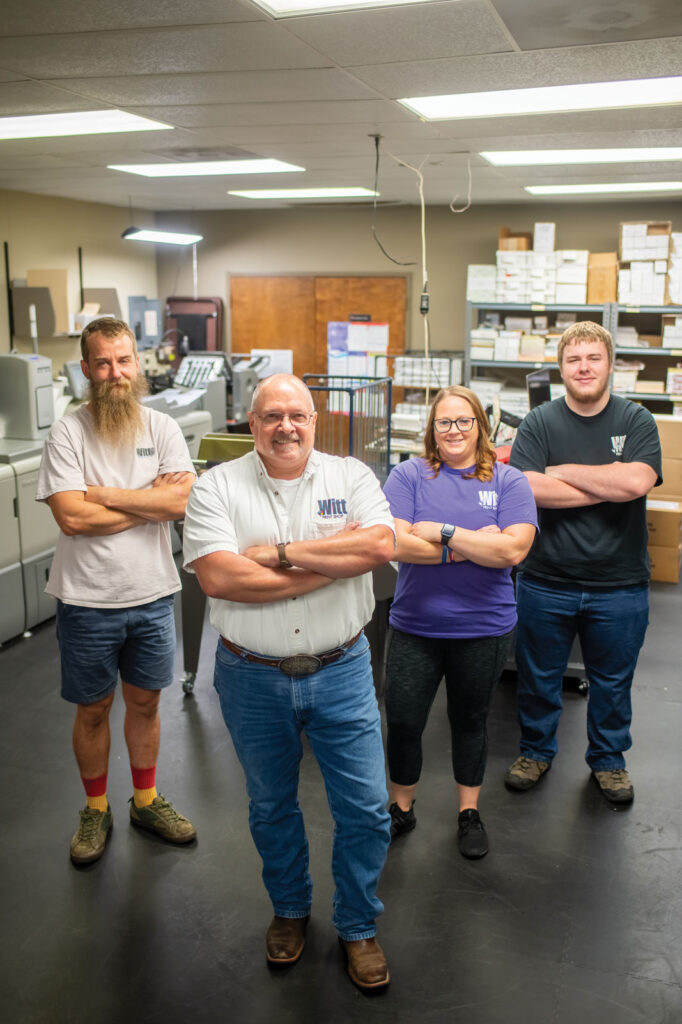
x=283 y=541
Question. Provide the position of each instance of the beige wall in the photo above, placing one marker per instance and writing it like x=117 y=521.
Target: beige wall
x=43 y=232
x=339 y=241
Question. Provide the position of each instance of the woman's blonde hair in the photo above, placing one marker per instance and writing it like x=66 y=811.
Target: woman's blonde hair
x=485 y=453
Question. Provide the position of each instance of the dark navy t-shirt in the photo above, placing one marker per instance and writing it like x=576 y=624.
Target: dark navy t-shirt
x=458 y=599
x=602 y=545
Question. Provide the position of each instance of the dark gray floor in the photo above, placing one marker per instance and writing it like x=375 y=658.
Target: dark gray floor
x=575 y=916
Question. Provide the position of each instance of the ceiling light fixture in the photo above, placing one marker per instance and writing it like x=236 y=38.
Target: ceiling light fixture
x=630 y=186
x=550 y=99
x=79 y=122
x=164 y=237
x=304 y=193
x=206 y=167
x=290 y=8
x=546 y=157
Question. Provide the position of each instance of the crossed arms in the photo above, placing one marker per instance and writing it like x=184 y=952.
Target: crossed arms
x=574 y=486
x=419 y=543
x=254 y=576
x=101 y=511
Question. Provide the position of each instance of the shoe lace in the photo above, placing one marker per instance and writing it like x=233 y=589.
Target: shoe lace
x=88 y=826
x=619 y=775
x=524 y=764
x=166 y=810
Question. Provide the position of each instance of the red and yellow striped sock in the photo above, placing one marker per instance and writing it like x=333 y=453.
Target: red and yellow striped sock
x=96 y=792
x=144 y=785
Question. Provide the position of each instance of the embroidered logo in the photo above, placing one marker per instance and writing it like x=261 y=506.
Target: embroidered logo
x=618 y=444
x=144 y=452
x=332 y=508
x=487 y=499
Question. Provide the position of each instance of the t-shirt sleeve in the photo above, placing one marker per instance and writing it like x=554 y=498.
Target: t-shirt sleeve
x=368 y=504
x=529 y=451
x=172 y=448
x=642 y=443
x=62 y=466
x=208 y=526
x=400 y=491
x=515 y=501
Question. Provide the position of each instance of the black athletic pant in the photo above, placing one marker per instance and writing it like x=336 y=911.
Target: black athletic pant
x=414 y=668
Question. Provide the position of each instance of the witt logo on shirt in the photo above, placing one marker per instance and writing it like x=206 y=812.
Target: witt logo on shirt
x=145 y=452
x=487 y=499
x=331 y=508
x=618 y=444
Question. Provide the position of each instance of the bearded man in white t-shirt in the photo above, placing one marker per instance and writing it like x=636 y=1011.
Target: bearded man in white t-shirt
x=115 y=474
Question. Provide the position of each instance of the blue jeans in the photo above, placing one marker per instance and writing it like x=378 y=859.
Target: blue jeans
x=266 y=711
x=611 y=625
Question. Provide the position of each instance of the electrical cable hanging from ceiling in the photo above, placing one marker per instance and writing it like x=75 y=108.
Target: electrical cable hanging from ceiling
x=399 y=263
x=463 y=209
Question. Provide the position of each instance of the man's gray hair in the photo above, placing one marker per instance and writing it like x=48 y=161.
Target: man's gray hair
x=279 y=376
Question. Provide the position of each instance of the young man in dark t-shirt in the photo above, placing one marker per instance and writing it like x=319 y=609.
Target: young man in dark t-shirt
x=590 y=459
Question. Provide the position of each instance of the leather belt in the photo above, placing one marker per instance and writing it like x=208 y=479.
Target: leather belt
x=295 y=664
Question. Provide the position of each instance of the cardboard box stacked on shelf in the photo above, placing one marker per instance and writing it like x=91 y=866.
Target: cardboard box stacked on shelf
x=571 y=276
x=644 y=254
x=664 y=505
x=602 y=278
x=675 y=269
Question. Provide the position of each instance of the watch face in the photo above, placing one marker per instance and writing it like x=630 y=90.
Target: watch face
x=447 y=532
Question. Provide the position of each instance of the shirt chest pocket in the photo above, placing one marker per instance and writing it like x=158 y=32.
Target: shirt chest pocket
x=327 y=525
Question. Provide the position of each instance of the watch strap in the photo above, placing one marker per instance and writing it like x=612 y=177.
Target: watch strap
x=284 y=562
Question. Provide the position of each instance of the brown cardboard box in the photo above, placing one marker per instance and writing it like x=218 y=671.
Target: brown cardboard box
x=665 y=564
x=602 y=277
x=514 y=240
x=664 y=522
x=672 y=478
x=670 y=433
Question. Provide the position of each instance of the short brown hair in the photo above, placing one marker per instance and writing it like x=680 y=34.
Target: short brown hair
x=110 y=328
x=485 y=453
x=585 y=330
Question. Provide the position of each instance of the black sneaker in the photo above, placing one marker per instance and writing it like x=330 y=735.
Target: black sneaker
x=401 y=821
x=471 y=835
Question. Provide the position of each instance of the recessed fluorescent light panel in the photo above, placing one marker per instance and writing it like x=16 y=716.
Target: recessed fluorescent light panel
x=594 y=189
x=551 y=99
x=163 y=237
x=304 y=193
x=81 y=122
x=290 y=8
x=545 y=157
x=207 y=167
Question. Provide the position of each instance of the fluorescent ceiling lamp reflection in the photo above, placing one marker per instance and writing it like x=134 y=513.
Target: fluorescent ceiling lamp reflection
x=80 y=122
x=164 y=237
x=545 y=157
x=631 y=186
x=304 y=193
x=207 y=167
x=287 y=8
x=555 y=98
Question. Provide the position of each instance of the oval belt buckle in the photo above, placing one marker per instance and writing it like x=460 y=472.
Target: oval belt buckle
x=300 y=665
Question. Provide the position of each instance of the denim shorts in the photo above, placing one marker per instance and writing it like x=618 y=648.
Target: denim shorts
x=95 y=644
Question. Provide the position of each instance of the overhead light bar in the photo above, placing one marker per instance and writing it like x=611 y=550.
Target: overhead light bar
x=290 y=8
x=550 y=99
x=304 y=193
x=164 y=237
x=206 y=167
x=631 y=186
x=546 y=157
x=79 y=122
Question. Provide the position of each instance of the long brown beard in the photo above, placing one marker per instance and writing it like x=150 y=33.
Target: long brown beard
x=116 y=409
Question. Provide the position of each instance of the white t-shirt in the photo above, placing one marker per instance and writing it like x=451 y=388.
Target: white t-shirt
x=123 y=569
x=237 y=504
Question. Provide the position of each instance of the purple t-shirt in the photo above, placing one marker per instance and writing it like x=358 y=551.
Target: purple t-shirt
x=458 y=599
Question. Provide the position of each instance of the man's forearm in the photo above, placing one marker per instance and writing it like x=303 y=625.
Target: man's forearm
x=349 y=553
x=615 y=481
x=550 y=492
x=88 y=519
x=162 y=502
x=233 y=577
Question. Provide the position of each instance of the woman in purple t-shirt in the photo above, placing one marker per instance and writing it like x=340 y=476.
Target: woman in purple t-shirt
x=462 y=521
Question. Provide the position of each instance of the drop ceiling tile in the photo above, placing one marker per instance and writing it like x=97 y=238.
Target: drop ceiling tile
x=203 y=48
x=413 y=32
x=24 y=97
x=647 y=59
x=533 y=129
x=537 y=24
x=22 y=17
x=252 y=114
x=228 y=87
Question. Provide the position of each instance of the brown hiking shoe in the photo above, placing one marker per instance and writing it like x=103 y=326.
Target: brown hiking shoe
x=161 y=817
x=91 y=836
x=615 y=785
x=525 y=772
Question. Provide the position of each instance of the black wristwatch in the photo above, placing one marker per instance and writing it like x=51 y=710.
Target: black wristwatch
x=446 y=533
x=284 y=562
